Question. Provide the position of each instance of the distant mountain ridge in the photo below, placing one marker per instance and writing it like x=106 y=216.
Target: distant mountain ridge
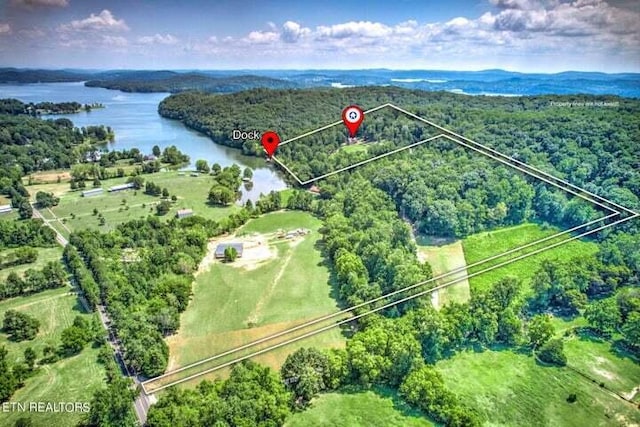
x=484 y=82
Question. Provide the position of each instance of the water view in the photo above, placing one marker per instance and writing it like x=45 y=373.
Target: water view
x=135 y=120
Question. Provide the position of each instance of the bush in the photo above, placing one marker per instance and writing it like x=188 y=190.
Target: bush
x=553 y=352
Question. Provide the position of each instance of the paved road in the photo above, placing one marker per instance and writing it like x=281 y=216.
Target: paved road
x=142 y=402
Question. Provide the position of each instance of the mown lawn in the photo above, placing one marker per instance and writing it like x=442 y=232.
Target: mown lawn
x=484 y=245
x=44 y=255
x=511 y=389
x=378 y=407
x=72 y=379
x=233 y=305
x=77 y=212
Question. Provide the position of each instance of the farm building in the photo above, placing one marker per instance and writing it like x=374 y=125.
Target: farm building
x=121 y=187
x=5 y=209
x=92 y=192
x=183 y=213
x=223 y=246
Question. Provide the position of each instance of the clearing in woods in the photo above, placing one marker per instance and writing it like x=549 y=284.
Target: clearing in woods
x=70 y=379
x=510 y=388
x=276 y=284
x=375 y=407
x=445 y=255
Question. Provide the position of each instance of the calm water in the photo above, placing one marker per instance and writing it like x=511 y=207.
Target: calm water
x=135 y=120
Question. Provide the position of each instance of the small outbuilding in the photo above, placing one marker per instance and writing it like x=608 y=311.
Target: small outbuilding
x=121 y=187
x=219 y=254
x=92 y=192
x=5 y=209
x=184 y=213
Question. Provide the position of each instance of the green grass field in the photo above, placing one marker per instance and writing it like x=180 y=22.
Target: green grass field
x=128 y=205
x=443 y=258
x=237 y=303
x=378 y=407
x=484 y=245
x=71 y=379
x=44 y=255
x=510 y=389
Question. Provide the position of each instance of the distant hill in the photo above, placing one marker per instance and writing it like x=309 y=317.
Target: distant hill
x=15 y=75
x=169 y=81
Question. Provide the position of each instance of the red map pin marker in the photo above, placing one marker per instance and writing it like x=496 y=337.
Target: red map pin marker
x=352 y=116
x=270 y=141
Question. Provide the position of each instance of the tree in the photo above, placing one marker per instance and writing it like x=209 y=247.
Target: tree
x=46 y=200
x=305 y=373
x=603 y=316
x=111 y=406
x=553 y=352
x=25 y=211
x=165 y=193
x=30 y=358
x=156 y=151
x=631 y=329
x=73 y=340
x=202 y=166
x=8 y=381
x=20 y=326
x=137 y=181
x=247 y=174
x=230 y=254
x=540 y=330
x=163 y=207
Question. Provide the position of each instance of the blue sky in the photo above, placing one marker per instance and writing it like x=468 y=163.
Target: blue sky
x=518 y=35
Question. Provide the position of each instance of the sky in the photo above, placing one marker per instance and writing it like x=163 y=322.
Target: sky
x=515 y=35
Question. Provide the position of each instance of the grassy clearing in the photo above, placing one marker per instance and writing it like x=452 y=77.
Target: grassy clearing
x=511 y=389
x=236 y=304
x=72 y=379
x=484 y=245
x=597 y=358
x=44 y=255
x=378 y=407
x=443 y=258
x=127 y=205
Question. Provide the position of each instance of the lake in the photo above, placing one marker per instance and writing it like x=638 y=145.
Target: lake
x=135 y=120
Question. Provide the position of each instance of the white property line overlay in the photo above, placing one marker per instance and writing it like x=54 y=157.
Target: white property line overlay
x=501 y=156
x=391 y=304
x=318 y=320
x=360 y=163
x=374 y=300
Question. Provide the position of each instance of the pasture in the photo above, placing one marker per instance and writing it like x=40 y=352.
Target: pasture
x=486 y=244
x=72 y=379
x=279 y=283
x=512 y=389
x=376 y=407
x=443 y=258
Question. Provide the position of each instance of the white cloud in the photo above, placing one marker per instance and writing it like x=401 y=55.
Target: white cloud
x=40 y=3
x=5 y=28
x=292 y=32
x=262 y=37
x=353 y=28
x=104 y=21
x=166 y=39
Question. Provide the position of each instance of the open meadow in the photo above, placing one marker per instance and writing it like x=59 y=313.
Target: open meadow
x=277 y=283
x=512 y=389
x=72 y=379
x=445 y=256
x=376 y=407
x=44 y=255
x=486 y=244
